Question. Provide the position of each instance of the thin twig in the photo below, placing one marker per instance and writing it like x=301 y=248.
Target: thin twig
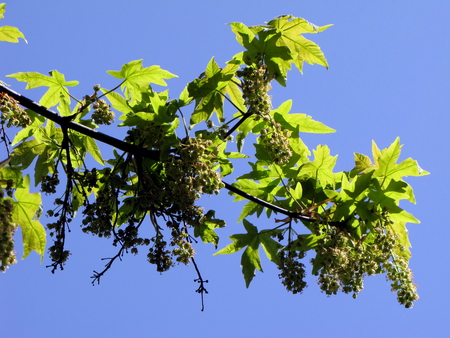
x=201 y=289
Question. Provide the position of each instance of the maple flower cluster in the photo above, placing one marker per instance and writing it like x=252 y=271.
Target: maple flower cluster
x=12 y=113
x=346 y=261
x=7 y=228
x=255 y=85
x=102 y=112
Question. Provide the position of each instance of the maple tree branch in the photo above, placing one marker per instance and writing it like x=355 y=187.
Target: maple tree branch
x=65 y=122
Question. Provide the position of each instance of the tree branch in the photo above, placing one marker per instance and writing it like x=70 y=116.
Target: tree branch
x=64 y=122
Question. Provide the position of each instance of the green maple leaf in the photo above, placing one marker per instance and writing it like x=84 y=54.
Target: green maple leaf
x=400 y=230
x=250 y=259
x=11 y=34
x=386 y=163
x=119 y=103
x=210 y=89
x=247 y=38
x=301 y=49
x=136 y=79
x=7 y=33
x=280 y=43
x=386 y=199
x=205 y=230
x=362 y=163
x=56 y=82
x=26 y=207
x=322 y=166
x=304 y=122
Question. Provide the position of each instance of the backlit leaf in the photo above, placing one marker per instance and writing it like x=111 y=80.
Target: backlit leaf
x=137 y=79
x=56 y=82
x=25 y=208
x=11 y=34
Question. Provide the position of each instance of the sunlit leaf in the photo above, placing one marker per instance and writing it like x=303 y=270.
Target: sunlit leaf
x=56 y=82
x=25 y=208
x=11 y=34
x=137 y=79
x=304 y=122
x=250 y=260
x=302 y=49
x=321 y=167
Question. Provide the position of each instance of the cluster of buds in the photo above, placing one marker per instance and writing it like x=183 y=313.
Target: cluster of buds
x=292 y=270
x=12 y=113
x=102 y=112
x=7 y=229
x=255 y=87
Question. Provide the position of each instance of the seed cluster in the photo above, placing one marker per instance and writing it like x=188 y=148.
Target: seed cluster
x=402 y=281
x=97 y=218
x=183 y=250
x=57 y=229
x=49 y=183
x=163 y=257
x=182 y=178
x=12 y=113
x=168 y=188
x=151 y=135
x=102 y=112
x=159 y=254
x=345 y=262
x=292 y=270
x=186 y=177
x=7 y=229
x=276 y=142
x=255 y=87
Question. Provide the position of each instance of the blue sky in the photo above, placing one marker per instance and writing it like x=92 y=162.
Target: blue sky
x=388 y=77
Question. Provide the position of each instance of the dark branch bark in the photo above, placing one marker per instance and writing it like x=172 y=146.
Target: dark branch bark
x=65 y=122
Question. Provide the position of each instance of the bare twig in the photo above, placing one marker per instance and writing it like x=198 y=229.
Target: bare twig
x=201 y=289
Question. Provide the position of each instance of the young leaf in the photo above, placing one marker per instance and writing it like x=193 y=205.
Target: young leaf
x=250 y=259
x=397 y=214
x=386 y=161
x=56 y=82
x=306 y=242
x=91 y=147
x=119 y=103
x=322 y=166
x=304 y=122
x=205 y=230
x=209 y=91
x=400 y=230
x=25 y=152
x=362 y=162
x=11 y=34
x=29 y=131
x=7 y=33
x=246 y=37
x=270 y=246
x=290 y=29
x=26 y=207
x=136 y=79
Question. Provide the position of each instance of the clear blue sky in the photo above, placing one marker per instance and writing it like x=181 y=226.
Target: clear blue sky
x=388 y=77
